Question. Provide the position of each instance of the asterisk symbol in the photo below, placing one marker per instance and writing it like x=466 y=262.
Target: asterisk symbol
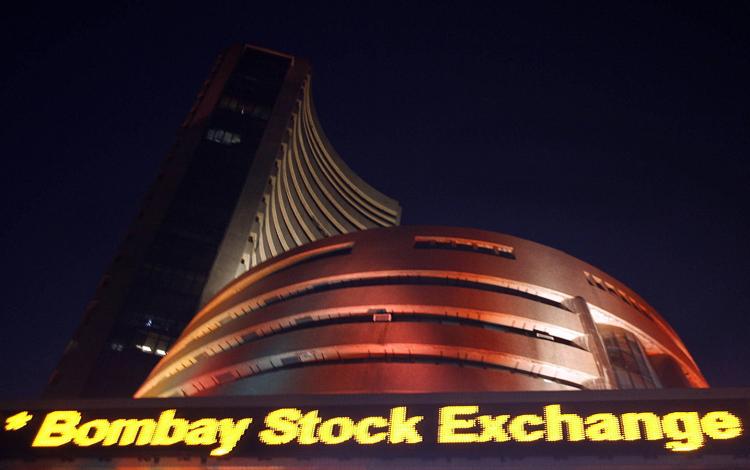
x=17 y=421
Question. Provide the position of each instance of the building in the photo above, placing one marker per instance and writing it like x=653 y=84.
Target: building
x=423 y=310
x=317 y=344
x=251 y=175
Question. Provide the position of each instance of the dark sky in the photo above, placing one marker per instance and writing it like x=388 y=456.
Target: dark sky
x=618 y=133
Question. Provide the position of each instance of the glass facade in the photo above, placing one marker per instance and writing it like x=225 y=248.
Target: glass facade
x=629 y=361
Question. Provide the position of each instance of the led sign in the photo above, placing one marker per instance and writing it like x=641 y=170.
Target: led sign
x=403 y=428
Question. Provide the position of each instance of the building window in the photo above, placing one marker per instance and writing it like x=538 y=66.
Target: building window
x=244 y=108
x=628 y=359
x=154 y=343
x=223 y=137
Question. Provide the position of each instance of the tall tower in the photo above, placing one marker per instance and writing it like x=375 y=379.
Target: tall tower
x=250 y=176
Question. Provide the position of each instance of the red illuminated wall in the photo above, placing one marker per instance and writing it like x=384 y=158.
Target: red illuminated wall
x=423 y=309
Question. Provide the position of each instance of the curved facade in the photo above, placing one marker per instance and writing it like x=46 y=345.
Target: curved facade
x=423 y=309
x=313 y=194
x=299 y=189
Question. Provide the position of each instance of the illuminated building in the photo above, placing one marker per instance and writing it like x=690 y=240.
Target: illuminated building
x=250 y=176
x=423 y=309
x=317 y=344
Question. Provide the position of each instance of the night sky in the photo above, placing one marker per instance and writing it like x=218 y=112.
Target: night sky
x=618 y=133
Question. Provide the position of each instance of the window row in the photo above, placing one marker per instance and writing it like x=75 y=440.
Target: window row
x=223 y=137
x=153 y=343
x=598 y=282
x=246 y=109
x=462 y=244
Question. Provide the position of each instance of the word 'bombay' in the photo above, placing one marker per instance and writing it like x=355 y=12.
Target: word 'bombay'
x=62 y=427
